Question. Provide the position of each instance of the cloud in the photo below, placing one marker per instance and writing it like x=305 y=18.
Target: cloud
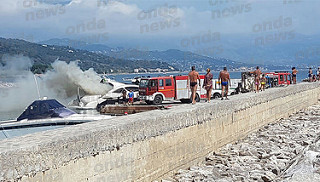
x=51 y=19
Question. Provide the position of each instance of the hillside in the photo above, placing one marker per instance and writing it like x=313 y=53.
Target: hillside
x=179 y=59
x=298 y=50
x=43 y=55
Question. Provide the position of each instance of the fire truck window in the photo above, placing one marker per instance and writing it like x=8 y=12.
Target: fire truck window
x=281 y=77
x=160 y=83
x=143 y=83
x=153 y=83
x=168 y=82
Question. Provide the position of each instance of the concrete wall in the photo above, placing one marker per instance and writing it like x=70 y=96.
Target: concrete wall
x=146 y=146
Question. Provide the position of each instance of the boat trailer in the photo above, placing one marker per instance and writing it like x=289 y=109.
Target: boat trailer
x=131 y=109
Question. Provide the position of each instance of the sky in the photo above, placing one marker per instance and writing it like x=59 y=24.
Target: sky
x=157 y=24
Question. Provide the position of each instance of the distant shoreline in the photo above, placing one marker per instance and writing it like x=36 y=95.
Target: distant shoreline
x=107 y=74
x=143 y=73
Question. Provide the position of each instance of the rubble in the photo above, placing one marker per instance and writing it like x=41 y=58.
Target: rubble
x=274 y=153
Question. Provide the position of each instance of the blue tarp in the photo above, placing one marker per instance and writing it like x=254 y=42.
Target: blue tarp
x=42 y=109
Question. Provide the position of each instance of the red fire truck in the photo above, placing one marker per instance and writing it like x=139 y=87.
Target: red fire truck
x=157 y=89
x=274 y=79
x=278 y=78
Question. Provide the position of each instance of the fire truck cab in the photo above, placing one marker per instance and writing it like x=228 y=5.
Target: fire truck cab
x=158 y=89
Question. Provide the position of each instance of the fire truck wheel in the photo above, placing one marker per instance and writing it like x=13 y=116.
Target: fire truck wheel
x=216 y=95
x=197 y=98
x=157 y=100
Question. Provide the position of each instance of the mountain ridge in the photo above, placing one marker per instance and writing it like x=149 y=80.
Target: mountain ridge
x=43 y=55
x=181 y=59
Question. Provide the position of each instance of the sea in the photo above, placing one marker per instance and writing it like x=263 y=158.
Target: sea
x=233 y=75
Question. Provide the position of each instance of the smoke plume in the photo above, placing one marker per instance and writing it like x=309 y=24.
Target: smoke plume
x=60 y=83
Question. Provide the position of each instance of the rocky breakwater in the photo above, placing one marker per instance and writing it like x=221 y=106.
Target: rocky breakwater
x=275 y=152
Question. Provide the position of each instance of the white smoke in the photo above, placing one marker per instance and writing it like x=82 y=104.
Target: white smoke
x=60 y=83
x=66 y=78
x=16 y=69
x=14 y=65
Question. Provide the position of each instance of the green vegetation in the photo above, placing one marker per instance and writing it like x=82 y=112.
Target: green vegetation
x=40 y=68
x=44 y=55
